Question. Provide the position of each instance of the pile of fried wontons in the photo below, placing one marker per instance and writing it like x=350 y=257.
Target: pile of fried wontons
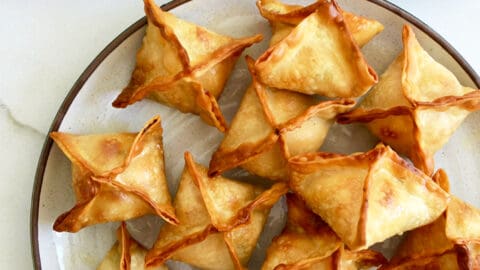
x=338 y=205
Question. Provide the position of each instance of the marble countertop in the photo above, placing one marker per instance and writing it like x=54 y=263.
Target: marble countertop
x=46 y=45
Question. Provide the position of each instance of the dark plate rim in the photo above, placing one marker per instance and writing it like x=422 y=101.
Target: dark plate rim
x=42 y=162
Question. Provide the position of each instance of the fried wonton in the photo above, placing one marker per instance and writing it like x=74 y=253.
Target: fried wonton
x=416 y=106
x=450 y=242
x=283 y=19
x=366 y=197
x=126 y=254
x=270 y=126
x=308 y=243
x=115 y=177
x=319 y=56
x=183 y=66
x=220 y=221
x=253 y=140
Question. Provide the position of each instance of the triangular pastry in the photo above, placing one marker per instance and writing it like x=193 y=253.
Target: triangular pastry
x=284 y=17
x=450 y=242
x=220 y=221
x=307 y=242
x=126 y=254
x=413 y=94
x=270 y=126
x=253 y=140
x=115 y=177
x=319 y=56
x=366 y=197
x=183 y=65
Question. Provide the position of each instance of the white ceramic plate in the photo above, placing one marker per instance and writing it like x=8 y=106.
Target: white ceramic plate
x=87 y=109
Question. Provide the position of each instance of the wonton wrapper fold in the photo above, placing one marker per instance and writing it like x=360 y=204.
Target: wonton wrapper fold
x=284 y=18
x=366 y=197
x=416 y=106
x=270 y=126
x=126 y=254
x=450 y=242
x=220 y=221
x=319 y=56
x=308 y=243
x=183 y=66
x=115 y=177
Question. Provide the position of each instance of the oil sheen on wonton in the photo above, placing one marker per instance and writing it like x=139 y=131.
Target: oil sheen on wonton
x=183 y=66
x=319 y=56
x=366 y=197
x=308 y=243
x=416 y=106
x=126 y=254
x=220 y=221
x=115 y=177
x=450 y=242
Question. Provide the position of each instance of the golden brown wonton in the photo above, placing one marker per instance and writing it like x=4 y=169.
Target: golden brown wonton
x=126 y=254
x=270 y=126
x=319 y=56
x=366 y=197
x=220 y=221
x=283 y=19
x=308 y=243
x=273 y=124
x=450 y=242
x=115 y=177
x=183 y=66
x=417 y=105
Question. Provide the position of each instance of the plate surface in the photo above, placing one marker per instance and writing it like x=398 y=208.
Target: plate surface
x=87 y=109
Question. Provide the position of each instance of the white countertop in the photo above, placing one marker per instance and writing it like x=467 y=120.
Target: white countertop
x=46 y=45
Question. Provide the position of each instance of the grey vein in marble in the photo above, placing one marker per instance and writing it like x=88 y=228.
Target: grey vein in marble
x=5 y=109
